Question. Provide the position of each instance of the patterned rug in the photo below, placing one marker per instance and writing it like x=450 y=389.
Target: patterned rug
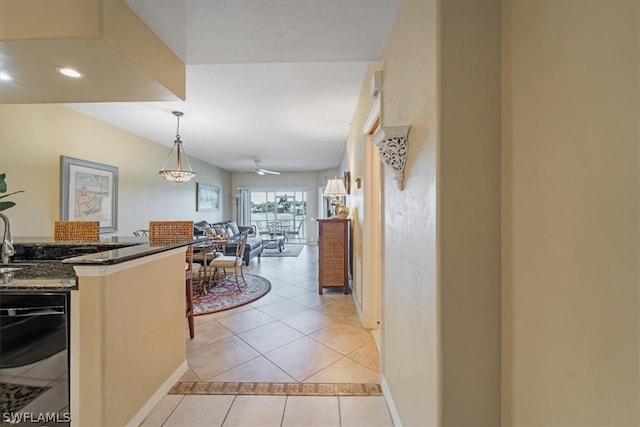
x=14 y=397
x=225 y=294
x=278 y=389
x=289 y=250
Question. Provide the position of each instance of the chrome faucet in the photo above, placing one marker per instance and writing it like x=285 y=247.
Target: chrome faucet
x=7 y=241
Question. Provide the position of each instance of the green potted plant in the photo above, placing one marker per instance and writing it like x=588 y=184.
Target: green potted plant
x=4 y=205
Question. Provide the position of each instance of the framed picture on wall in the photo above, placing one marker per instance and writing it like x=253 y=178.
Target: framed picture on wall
x=89 y=192
x=207 y=197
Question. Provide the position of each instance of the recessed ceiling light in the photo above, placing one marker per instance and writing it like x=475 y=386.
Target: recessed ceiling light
x=4 y=76
x=70 y=72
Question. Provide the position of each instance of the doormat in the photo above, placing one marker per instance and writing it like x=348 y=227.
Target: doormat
x=277 y=389
x=16 y=396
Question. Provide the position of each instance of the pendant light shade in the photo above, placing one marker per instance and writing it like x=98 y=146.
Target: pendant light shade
x=178 y=174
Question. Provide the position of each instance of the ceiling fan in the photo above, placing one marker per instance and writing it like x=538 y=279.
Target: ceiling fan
x=257 y=169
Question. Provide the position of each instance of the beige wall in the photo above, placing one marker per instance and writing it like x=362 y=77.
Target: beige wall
x=521 y=305
x=354 y=156
x=410 y=318
x=125 y=349
x=571 y=212
x=32 y=139
x=365 y=254
x=469 y=211
x=441 y=306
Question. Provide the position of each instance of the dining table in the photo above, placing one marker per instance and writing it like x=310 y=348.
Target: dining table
x=208 y=248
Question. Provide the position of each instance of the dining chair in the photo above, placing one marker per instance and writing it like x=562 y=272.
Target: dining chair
x=76 y=231
x=230 y=261
x=261 y=229
x=295 y=232
x=163 y=232
x=204 y=252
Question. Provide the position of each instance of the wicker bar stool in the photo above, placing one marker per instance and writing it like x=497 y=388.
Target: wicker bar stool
x=164 y=232
x=76 y=231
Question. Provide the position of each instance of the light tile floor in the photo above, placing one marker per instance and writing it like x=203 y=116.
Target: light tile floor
x=51 y=373
x=293 y=334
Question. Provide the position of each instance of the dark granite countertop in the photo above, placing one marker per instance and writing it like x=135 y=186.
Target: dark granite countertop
x=49 y=285
x=128 y=253
x=46 y=248
x=49 y=275
x=49 y=241
x=57 y=273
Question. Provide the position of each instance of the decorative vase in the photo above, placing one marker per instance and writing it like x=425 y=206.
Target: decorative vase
x=342 y=212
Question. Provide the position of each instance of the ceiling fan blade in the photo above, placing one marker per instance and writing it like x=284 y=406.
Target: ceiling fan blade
x=269 y=172
x=257 y=169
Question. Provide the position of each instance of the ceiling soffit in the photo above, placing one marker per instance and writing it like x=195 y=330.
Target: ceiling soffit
x=120 y=57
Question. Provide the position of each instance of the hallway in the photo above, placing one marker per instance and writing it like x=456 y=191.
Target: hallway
x=292 y=335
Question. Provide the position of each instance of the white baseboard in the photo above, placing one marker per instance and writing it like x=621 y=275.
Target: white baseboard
x=395 y=416
x=158 y=395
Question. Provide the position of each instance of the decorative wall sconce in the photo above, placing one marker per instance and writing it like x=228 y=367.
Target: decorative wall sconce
x=392 y=144
x=347 y=181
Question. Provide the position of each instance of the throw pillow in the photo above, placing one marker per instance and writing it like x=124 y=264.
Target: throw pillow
x=219 y=231
x=231 y=225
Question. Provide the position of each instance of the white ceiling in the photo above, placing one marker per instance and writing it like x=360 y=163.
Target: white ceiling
x=275 y=80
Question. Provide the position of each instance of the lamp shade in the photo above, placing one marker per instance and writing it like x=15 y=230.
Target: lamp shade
x=335 y=187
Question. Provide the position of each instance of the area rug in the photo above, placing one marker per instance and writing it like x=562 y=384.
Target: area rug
x=278 y=389
x=14 y=397
x=289 y=250
x=225 y=295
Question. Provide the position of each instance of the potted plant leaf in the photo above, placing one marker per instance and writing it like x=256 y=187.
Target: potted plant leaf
x=3 y=189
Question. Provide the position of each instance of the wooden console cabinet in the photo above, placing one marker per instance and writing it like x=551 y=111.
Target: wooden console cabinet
x=333 y=254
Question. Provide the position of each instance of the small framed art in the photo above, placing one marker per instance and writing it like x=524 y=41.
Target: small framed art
x=207 y=197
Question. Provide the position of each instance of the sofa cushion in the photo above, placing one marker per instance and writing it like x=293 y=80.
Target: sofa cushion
x=225 y=229
x=233 y=227
x=252 y=249
x=199 y=227
x=219 y=230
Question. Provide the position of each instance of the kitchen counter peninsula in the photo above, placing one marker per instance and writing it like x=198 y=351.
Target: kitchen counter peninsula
x=42 y=263
x=127 y=324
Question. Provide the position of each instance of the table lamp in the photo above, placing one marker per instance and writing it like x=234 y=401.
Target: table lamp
x=335 y=188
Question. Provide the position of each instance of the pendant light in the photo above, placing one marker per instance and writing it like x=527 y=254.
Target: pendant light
x=178 y=174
